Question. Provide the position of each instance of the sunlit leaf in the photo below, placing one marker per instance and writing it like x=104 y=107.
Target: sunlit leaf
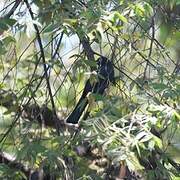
x=121 y=17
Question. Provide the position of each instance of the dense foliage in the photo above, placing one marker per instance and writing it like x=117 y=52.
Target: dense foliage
x=49 y=48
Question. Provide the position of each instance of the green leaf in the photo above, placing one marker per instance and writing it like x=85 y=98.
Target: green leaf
x=97 y=36
x=10 y=22
x=159 y=86
x=3 y=27
x=98 y=97
x=71 y=22
x=133 y=162
x=51 y=28
x=90 y=63
x=139 y=9
x=151 y=145
x=121 y=17
x=177 y=115
x=9 y=39
x=143 y=136
x=6 y=23
x=2 y=48
x=158 y=142
x=148 y=9
x=178 y=2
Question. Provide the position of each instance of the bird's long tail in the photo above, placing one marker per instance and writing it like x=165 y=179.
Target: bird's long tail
x=81 y=105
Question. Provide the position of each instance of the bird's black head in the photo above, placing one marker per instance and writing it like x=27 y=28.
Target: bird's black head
x=105 y=69
x=102 y=61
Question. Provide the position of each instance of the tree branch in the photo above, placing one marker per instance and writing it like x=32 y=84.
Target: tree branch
x=44 y=66
x=9 y=160
x=10 y=13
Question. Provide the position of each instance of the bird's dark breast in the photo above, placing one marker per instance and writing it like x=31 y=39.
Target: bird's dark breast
x=105 y=70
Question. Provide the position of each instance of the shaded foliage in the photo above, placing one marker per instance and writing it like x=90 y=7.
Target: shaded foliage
x=48 y=50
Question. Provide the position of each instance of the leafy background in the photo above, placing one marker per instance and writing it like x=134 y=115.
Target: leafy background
x=132 y=131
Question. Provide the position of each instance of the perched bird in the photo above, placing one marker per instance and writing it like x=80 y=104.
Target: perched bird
x=105 y=75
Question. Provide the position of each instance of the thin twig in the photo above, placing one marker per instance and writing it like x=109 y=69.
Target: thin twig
x=10 y=13
x=44 y=65
x=151 y=46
